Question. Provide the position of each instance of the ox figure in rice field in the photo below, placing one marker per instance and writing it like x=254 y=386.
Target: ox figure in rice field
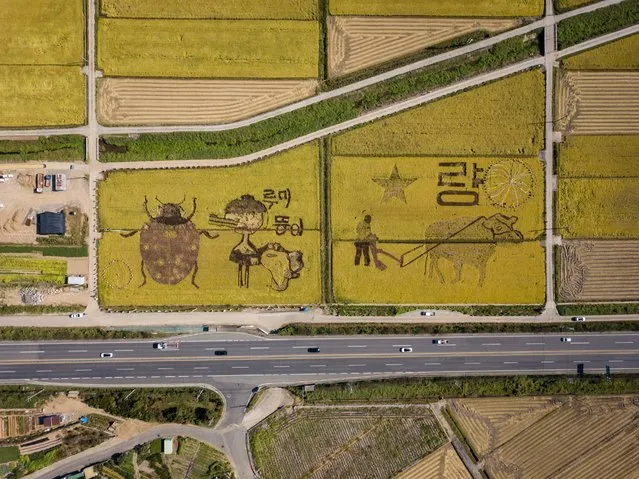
x=169 y=243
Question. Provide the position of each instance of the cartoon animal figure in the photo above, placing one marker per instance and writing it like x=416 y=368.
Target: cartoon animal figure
x=169 y=244
x=471 y=243
x=283 y=265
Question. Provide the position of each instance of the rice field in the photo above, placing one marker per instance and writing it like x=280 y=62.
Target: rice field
x=25 y=270
x=505 y=117
x=355 y=43
x=212 y=9
x=125 y=101
x=41 y=32
x=595 y=156
x=41 y=96
x=450 y=8
x=599 y=103
x=599 y=271
x=320 y=443
x=617 y=55
x=279 y=243
x=208 y=48
x=444 y=463
x=566 y=442
x=598 y=207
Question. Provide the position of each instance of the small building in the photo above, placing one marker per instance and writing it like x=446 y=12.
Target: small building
x=60 y=182
x=75 y=280
x=89 y=472
x=49 y=421
x=50 y=223
x=168 y=445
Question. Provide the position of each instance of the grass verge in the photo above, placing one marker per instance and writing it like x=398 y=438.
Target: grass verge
x=8 y=333
x=241 y=141
x=52 y=148
x=6 y=309
x=597 y=309
x=432 y=389
x=9 y=453
x=599 y=22
x=488 y=310
x=64 y=251
x=334 y=329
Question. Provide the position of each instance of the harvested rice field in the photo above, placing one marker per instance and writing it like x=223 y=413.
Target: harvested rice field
x=236 y=235
x=587 y=437
x=598 y=103
x=212 y=9
x=598 y=207
x=450 y=8
x=618 y=55
x=41 y=96
x=329 y=443
x=123 y=101
x=41 y=32
x=355 y=43
x=444 y=463
x=593 y=156
x=599 y=271
x=208 y=48
x=502 y=118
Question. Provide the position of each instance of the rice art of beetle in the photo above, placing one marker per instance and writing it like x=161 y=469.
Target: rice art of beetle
x=169 y=243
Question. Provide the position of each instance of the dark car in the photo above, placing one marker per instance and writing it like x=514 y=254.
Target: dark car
x=221 y=352
x=313 y=350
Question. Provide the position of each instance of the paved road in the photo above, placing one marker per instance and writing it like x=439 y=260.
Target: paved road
x=139 y=363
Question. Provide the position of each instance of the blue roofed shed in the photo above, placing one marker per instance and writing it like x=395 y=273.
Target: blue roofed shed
x=51 y=223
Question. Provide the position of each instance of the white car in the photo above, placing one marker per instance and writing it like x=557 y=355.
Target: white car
x=427 y=313
x=106 y=355
x=440 y=341
x=405 y=350
x=77 y=315
x=579 y=318
x=566 y=340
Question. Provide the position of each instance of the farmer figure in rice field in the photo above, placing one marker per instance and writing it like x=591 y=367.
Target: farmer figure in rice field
x=246 y=216
x=366 y=243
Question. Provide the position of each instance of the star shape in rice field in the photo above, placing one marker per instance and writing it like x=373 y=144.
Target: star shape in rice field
x=394 y=185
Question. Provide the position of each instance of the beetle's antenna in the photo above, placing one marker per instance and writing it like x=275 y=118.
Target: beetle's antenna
x=158 y=200
x=183 y=199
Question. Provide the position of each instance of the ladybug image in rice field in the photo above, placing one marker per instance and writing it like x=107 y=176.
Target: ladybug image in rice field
x=169 y=243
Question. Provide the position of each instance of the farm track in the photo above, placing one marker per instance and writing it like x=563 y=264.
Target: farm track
x=442 y=463
x=600 y=270
x=599 y=103
x=360 y=42
x=123 y=101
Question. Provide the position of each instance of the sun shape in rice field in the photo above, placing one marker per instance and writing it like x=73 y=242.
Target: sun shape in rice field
x=394 y=185
x=509 y=184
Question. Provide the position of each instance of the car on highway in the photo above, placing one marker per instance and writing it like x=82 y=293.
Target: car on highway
x=405 y=350
x=427 y=313
x=106 y=355
x=221 y=352
x=313 y=350
x=566 y=340
x=77 y=315
x=440 y=341
x=579 y=318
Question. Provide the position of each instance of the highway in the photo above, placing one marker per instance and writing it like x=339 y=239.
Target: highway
x=139 y=362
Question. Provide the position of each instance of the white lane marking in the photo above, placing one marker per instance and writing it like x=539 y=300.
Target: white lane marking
x=77 y=351
x=118 y=377
x=108 y=377
x=471 y=363
x=43 y=371
x=7 y=372
x=129 y=377
x=281 y=366
x=491 y=344
x=239 y=367
x=141 y=377
x=260 y=347
x=616 y=361
x=125 y=369
x=31 y=352
x=401 y=345
x=317 y=365
x=165 y=369
x=169 y=376
x=201 y=367
x=82 y=370
x=535 y=344
x=394 y=364
x=581 y=361
x=510 y=362
x=303 y=347
x=182 y=376
x=123 y=350
x=624 y=342
x=432 y=364
x=580 y=342
x=356 y=346
x=547 y=362
x=356 y=365
x=154 y=377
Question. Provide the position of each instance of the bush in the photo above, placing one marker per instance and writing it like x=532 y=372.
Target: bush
x=8 y=333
